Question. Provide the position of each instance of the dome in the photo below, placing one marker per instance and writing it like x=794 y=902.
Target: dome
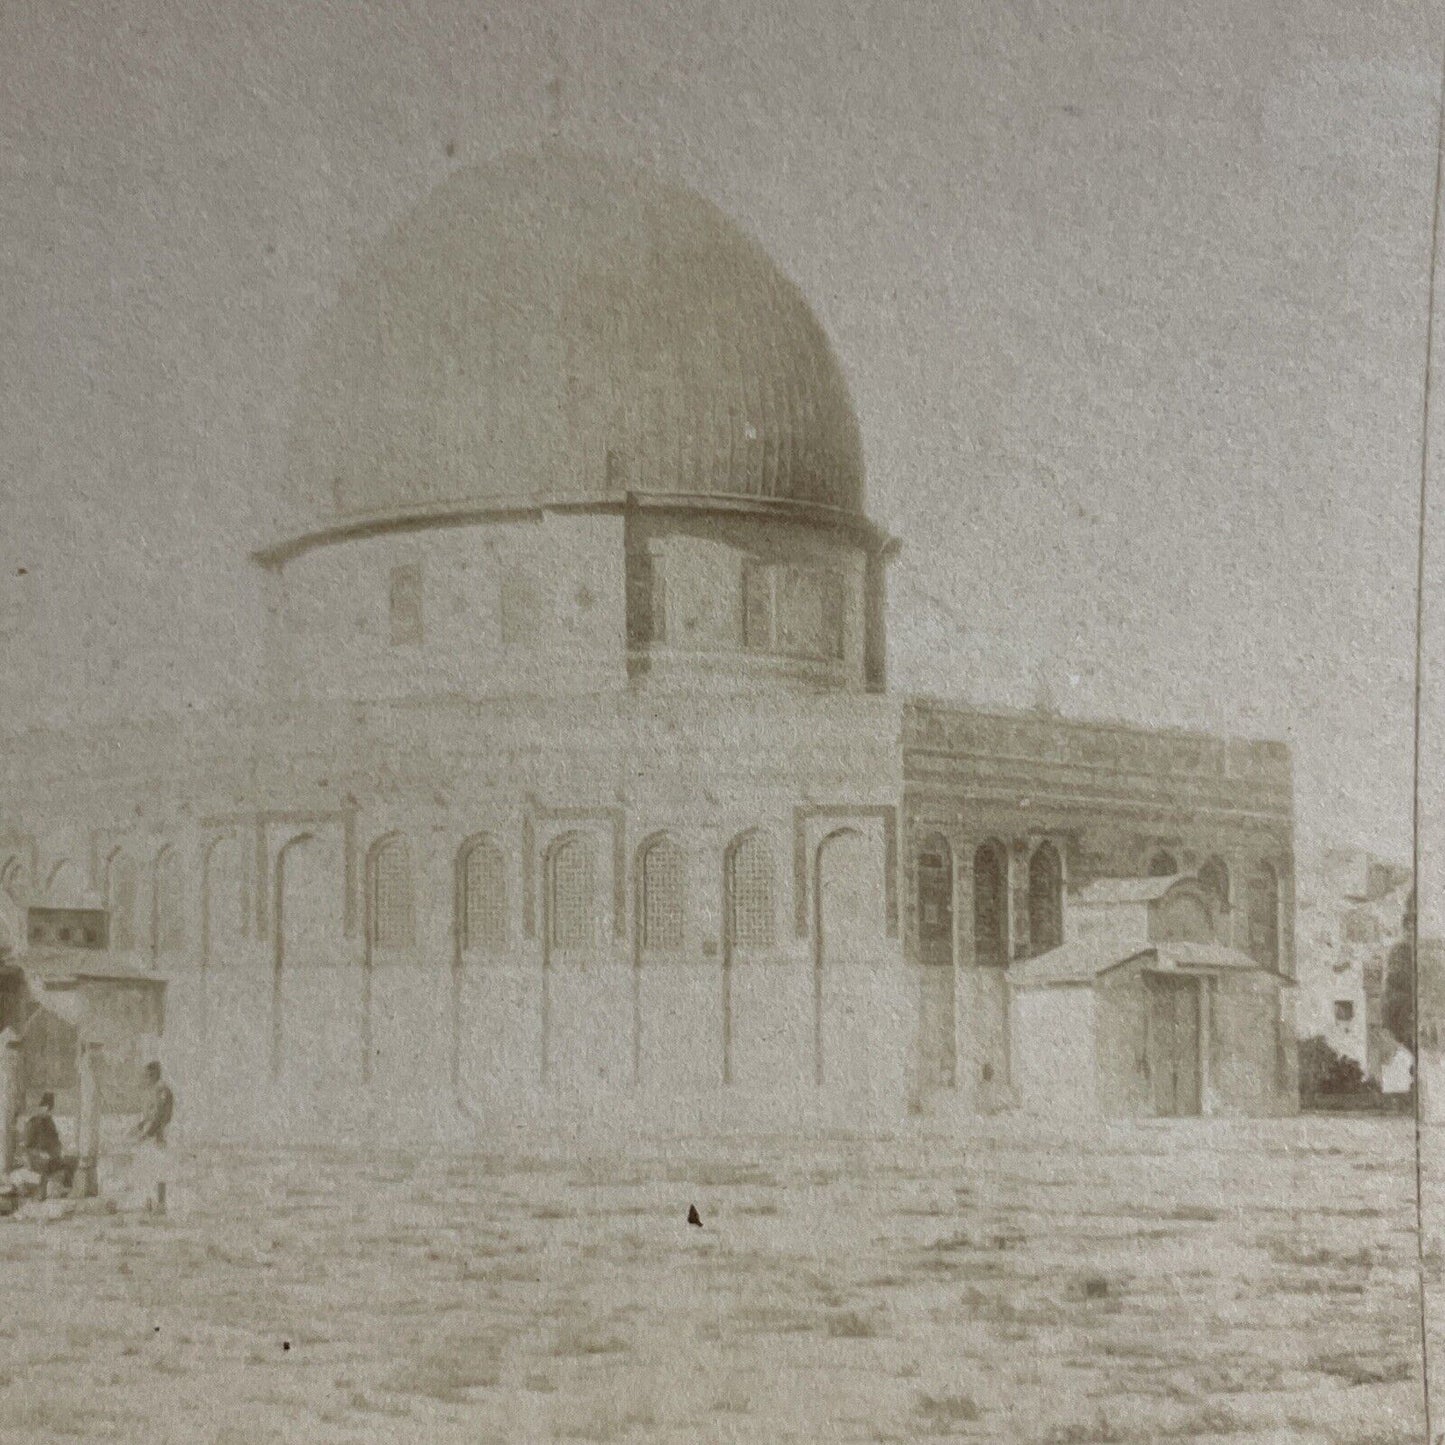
x=555 y=329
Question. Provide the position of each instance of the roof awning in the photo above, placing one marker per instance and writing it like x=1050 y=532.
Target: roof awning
x=1083 y=960
x=52 y=968
x=1103 y=892
x=1197 y=958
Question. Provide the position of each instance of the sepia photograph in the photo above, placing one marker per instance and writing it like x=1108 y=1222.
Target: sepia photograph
x=722 y=722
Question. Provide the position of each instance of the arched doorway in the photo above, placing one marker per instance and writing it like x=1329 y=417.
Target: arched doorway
x=1172 y=1049
x=290 y=938
x=65 y=888
x=493 y=1022
x=990 y=906
x=167 y=910
x=570 y=930
x=1163 y=864
x=316 y=1024
x=222 y=920
x=847 y=928
x=751 y=1029
x=120 y=900
x=1214 y=879
x=222 y=989
x=1046 y=899
x=933 y=868
x=674 y=1009
x=12 y=881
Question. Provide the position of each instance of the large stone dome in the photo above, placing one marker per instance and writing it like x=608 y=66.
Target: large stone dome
x=553 y=329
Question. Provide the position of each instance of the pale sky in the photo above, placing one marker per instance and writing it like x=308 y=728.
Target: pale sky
x=1131 y=298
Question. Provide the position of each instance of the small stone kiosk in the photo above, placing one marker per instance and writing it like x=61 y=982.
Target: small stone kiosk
x=1144 y=1013
x=73 y=1025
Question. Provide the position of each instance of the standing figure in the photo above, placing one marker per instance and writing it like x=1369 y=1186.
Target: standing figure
x=151 y=1136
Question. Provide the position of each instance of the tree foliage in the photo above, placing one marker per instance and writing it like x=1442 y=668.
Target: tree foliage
x=1397 y=1008
x=1399 y=1003
x=1323 y=1073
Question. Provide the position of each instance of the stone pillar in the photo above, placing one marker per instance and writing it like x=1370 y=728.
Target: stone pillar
x=11 y=1097
x=88 y=1129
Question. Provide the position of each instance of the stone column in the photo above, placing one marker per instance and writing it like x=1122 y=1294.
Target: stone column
x=88 y=1130
x=12 y=1097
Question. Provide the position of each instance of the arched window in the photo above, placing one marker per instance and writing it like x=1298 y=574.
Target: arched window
x=935 y=901
x=222 y=923
x=793 y=611
x=571 y=888
x=1361 y=927
x=120 y=884
x=12 y=880
x=1263 y=894
x=646 y=597
x=1163 y=864
x=484 y=897
x=1214 y=879
x=393 y=914
x=937 y=1006
x=167 y=922
x=990 y=906
x=1046 y=899
x=1182 y=916
x=405 y=598
x=63 y=889
x=750 y=892
x=522 y=608
x=662 y=896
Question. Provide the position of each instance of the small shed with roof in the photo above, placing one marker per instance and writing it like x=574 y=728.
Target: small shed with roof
x=60 y=989
x=1142 y=1011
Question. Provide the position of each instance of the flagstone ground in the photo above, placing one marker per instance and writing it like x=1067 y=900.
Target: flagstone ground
x=1199 y=1280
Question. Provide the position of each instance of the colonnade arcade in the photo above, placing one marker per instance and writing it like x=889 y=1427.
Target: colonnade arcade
x=1013 y=894
x=546 y=892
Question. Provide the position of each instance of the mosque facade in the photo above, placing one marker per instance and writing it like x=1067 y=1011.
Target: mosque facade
x=576 y=786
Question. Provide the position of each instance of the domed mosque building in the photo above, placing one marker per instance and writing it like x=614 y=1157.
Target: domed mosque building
x=577 y=789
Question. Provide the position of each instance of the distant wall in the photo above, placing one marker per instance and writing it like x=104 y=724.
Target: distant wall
x=1255 y=1060
x=302 y=885
x=558 y=602
x=1053 y=1031
x=720 y=601
x=531 y=606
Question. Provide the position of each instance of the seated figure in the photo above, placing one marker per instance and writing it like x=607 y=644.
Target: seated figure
x=41 y=1150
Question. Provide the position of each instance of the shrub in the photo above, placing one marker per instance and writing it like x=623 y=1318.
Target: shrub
x=1323 y=1071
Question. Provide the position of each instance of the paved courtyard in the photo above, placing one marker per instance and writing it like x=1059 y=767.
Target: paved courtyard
x=1196 y=1281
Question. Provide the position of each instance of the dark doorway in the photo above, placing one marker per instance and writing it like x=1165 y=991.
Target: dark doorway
x=1173 y=1044
x=990 y=906
x=935 y=957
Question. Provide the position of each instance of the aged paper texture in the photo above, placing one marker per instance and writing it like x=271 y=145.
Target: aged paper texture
x=721 y=722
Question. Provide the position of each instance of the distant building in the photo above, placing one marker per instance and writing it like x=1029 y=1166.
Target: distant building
x=576 y=784
x=1398 y=1073
x=1351 y=912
